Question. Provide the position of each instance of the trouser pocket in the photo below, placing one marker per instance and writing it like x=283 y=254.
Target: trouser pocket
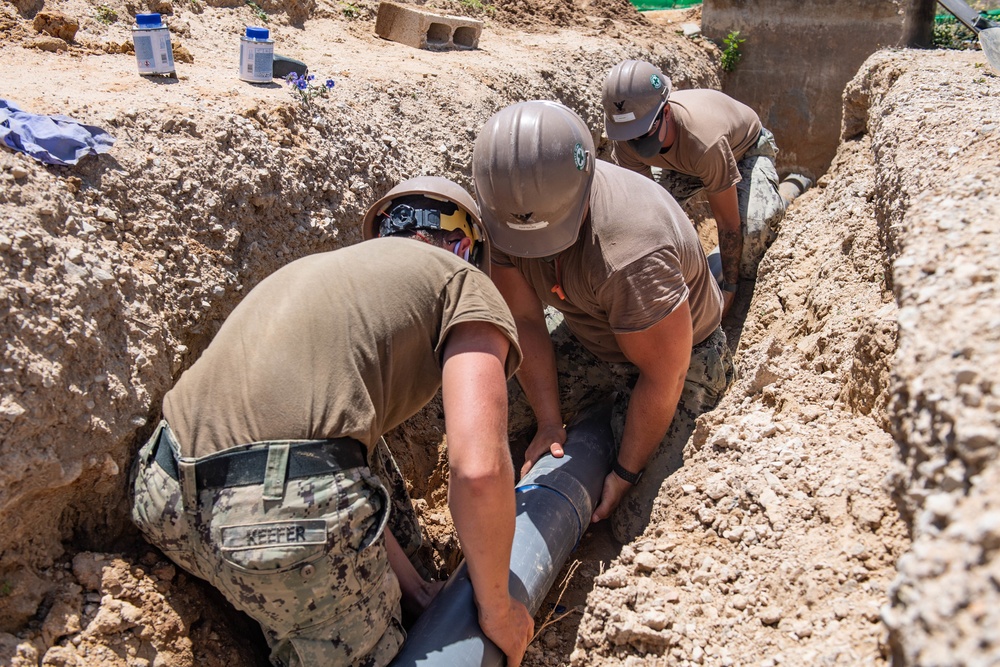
x=305 y=560
x=157 y=508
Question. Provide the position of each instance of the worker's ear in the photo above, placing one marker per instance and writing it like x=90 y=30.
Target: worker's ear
x=463 y=248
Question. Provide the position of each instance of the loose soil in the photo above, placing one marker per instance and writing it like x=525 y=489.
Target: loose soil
x=838 y=507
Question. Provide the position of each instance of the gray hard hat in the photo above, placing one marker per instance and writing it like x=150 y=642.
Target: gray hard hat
x=533 y=166
x=440 y=189
x=634 y=94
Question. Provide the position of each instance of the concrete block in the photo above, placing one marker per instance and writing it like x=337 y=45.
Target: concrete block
x=422 y=29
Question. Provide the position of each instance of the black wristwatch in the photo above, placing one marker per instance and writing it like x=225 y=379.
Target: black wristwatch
x=729 y=287
x=630 y=477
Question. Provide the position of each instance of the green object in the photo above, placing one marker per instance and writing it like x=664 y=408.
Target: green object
x=993 y=15
x=731 y=54
x=656 y=5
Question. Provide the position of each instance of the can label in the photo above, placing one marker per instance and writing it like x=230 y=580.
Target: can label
x=256 y=60
x=153 y=52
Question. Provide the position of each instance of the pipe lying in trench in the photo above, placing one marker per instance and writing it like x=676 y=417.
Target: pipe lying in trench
x=555 y=501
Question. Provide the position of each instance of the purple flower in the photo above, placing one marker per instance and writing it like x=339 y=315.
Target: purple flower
x=330 y=84
x=292 y=76
x=310 y=77
x=301 y=83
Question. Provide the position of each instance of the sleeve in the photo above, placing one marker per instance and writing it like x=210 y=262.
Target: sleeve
x=626 y=158
x=642 y=293
x=470 y=296
x=717 y=168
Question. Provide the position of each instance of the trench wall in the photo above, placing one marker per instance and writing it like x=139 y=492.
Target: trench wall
x=796 y=60
x=933 y=119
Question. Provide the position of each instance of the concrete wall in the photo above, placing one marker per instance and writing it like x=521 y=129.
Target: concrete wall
x=797 y=58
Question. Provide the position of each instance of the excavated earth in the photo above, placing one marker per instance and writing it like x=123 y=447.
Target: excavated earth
x=841 y=506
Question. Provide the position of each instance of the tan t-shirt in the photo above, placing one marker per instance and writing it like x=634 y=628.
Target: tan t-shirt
x=637 y=259
x=342 y=343
x=713 y=132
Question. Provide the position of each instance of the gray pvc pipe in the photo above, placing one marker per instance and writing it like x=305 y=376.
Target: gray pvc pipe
x=555 y=501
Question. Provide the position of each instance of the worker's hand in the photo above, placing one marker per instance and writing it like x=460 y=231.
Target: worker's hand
x=415 y=603
x=548 y=439
x=727 y=301
x=510 y=630
x=614 y=490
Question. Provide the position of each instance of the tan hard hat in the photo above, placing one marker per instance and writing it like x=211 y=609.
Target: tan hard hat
x=634 y=94
x=443 y=189
x=533 y=166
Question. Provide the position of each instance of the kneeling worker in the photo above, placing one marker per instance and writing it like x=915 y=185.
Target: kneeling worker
x=583 y=247
x=700 y=139
x=260 y=478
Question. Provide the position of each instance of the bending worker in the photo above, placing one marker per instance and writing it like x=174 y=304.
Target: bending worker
x=264 y=476
x=700 y=139
x=607 y=263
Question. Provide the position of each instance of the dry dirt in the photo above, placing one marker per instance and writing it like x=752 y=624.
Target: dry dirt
x=840 y=507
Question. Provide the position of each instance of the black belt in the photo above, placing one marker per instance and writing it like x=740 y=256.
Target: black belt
x=246 y=467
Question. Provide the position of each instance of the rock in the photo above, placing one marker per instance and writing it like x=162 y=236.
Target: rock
x=56 y=24
x=52 y=44
x=717 y=488
x=64 y=617
x=24 y=595
x=60 y=656
x=770 y=615
x=182 y=54
x=646 y=562
x=102 y=276
x=616 y=577
x=88 y=568
x=654 y=619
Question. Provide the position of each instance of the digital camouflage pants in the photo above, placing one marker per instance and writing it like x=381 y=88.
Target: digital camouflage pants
x=584 y=380
x=761 y=205
x=305 y=558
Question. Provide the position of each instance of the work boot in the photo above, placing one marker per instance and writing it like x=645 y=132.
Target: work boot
x=792 y=186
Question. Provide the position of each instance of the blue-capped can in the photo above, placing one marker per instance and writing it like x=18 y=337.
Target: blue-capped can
x=256 y=55
x=153 y=52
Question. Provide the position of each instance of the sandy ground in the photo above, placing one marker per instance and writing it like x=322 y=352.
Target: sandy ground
x=836 y=508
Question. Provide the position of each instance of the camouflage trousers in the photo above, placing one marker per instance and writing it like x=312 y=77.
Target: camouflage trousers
x=584 y=380
x=305 y=558
x=761 y=205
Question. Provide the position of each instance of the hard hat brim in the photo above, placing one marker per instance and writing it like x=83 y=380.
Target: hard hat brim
x=633 y=128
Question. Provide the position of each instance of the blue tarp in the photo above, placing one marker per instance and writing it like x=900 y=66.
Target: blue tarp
x=50 y=139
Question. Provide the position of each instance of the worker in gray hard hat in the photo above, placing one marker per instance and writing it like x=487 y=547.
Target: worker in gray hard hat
x=611 y=293
x=700 y=140
x=269 y=477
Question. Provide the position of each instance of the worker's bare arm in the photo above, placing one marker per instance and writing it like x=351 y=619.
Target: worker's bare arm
x=417 y=593
x=537 y=374
x=481 y=489
x=726 y=211
x=662 y=354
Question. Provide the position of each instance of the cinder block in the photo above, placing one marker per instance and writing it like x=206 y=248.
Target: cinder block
x=422 y=29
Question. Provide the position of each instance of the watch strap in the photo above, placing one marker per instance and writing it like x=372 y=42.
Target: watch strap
x=630 y=477
x=729 y=287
